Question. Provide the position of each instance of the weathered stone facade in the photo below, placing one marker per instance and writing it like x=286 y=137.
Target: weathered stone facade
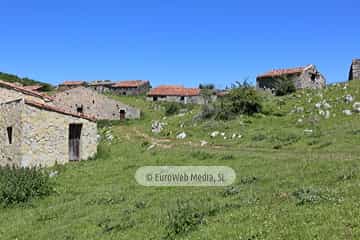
x=9 y=92
x=180 y=99
x=174 y=93
x=87 y=101
x=39 y=134
x=303 y=77
x=355 y=70
x=131 y=88
x=101 y=86
x=70 y=84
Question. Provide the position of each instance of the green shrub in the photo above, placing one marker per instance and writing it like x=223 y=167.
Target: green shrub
x=284 y=86
x=244 y=99
x=172 y=108
x=19 y=185
x=183 y=219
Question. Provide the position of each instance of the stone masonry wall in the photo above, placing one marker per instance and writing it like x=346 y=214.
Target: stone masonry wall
x=94 y=104
x=10 y=116
x=7 y=95
x=355 y=70
x=186 y=100
x=46 y=137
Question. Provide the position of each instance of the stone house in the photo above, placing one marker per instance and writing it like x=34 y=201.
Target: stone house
x=131 y=88
x=303 y=77
x=38 y=134
x=70 y=84
x=87 y=101
x=178 y=94
x=355 y=70
x=10 y=91
x=101 y=86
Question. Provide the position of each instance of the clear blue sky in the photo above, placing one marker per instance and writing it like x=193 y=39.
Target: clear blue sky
x=176 y=41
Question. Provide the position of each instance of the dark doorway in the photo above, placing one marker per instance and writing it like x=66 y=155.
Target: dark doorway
x=74 y=141
x=122 y=114
x=10 y=133
x=80 y=109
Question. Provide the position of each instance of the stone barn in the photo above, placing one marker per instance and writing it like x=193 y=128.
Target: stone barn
x=131 y=88
x=355 y=70
x=88 y=101
x=101 y=86
x=303 y=77
x=71 y=84
x=10 y=91
x=178 y=94
x=38 y=134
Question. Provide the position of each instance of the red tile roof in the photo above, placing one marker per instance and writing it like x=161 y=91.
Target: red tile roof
x=24 y=90
x=130 y=83
x=174 y=91
x=58 y=110
x=281 y=72
x=73 y=83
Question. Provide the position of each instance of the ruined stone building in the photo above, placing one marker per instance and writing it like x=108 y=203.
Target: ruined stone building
x=303 y=77
x=101 y=86
x=71 y=84
x=87 y=101
x=11 y=91
x=355 y=70
x=38 y=134
x=131 y=88
x=178 y=94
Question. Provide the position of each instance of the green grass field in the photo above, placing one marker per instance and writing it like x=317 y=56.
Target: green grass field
x=296 y=179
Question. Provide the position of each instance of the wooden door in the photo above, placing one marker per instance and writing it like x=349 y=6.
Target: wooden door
x=74 y=141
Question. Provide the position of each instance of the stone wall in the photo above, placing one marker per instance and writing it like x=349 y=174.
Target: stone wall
x=10 y=116
x=7 y=95
x=131 y=91
x=46 y=137
x=179 y=99
x=309 y=78
x=355 y=70
x=94 y=104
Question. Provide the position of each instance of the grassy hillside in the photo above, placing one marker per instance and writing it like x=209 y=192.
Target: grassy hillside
x=24 y=81
x=296 y=179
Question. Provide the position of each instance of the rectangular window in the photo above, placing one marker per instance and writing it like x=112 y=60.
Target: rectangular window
x=9 y=133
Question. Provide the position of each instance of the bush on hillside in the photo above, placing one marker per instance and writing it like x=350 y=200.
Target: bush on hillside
x=284 y=86
x=24 y=81
x=19 y=185
x=244 y=99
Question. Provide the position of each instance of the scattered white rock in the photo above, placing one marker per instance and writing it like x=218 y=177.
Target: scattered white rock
x=239 y=136
x=326 y=105
x=321 y=113
x=300 y=120
x=349 y=98
x=347 y=112
x=356 y=107
x=157 y=127
x=233 y=136
x=318 y=105
x=308 y=131
x=225 y=138
x=151 y=146
x=327 y=114
x=214 y=134
x=203 y=143
x=181 y=135
x=53 y=174
x=222 y=134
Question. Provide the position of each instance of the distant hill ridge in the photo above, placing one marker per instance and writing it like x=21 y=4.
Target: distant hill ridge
x=24 y=81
